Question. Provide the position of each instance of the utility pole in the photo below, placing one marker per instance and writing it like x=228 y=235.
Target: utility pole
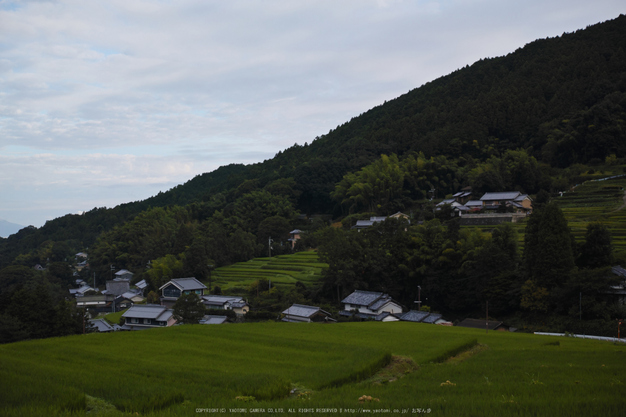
x=210 y=267
x=487 y=319
x=419 y=298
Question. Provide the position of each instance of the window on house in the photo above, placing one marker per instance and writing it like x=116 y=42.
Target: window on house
x=171 y=291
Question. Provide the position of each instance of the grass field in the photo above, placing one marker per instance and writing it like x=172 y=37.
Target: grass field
x=281 y=270
x=283 y=366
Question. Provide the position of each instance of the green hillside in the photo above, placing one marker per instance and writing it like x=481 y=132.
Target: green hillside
x=175 y=371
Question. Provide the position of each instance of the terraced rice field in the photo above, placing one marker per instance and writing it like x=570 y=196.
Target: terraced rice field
x=282 y=270
x=593 y=201
x=597 y=201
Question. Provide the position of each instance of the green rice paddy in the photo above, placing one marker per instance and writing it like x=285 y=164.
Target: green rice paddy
x=293 y=368
x=282 y=270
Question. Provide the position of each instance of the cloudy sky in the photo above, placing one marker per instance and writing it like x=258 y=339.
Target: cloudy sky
x=106 y=102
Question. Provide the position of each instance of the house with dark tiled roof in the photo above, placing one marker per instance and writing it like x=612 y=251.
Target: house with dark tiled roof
x=519 y=202
x=212 y=319
x=147 y=316
x=124 y=274
x=102 y=326
x=174 y=288
x=369 y=304
x=299 y=313
x=618 y=291
x=226 y=302
x=117 y=286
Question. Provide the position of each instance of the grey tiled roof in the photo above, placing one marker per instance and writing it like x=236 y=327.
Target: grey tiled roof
x=618 y=270
x=414 y=316
x=432 y=318
x=148 y=311
x=208 y=319
x=102 y=325
x=506 y=195
x=186 y=284
x=362 y=298
x=141 y=284
x=302 y=310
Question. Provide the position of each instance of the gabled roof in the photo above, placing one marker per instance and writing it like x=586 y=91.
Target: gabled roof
x=149 y=311
x=102 y=325
x=209 y=319
x=123 y=272
x=522 y=197
x=362 y=298
x=222 y=299
x=414 y=316
x=474 y=203
x=432 y=318
x=505 y=195
x=370 y=299
x=304 y=311
x=619 y=271
x=141 y=284
x=185 y=284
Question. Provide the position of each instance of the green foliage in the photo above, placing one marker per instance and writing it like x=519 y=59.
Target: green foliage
x=189 y=309
x=548 y=247
x=597 y=251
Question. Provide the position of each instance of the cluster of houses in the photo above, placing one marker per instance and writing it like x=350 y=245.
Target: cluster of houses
x=512 y=200
x=363 y=305
x=510 y=205
x=360 y=305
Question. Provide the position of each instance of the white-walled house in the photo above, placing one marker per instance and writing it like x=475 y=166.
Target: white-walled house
x=147 y=316
x=369 y=304
x=299 y=313
x=225 y=302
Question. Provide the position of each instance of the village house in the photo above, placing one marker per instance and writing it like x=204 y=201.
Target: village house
x=147 y=316
x=299 y=313
x=294 y=237
x=225 y=302
x=124 y=274
x=102 y=326
x=117 y=286
x=369 y=305
x=174 y=288
x=363 y=224
x=101 y=303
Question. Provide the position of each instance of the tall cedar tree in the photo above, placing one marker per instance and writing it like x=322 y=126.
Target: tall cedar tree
x=548 y=247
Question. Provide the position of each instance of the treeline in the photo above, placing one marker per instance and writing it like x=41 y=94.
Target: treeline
x=34 y=304
x=552 y=281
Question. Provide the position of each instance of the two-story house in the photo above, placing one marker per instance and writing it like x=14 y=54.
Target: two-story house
x=174 y=288
x=369 y=305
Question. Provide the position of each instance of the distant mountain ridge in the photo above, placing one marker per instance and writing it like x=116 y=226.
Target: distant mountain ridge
x=562 y=100
x=8 y=228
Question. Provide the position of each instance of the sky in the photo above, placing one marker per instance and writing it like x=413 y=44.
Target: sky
x=107 y=102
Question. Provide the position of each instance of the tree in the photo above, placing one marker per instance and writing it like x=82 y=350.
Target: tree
x=597 y=251
x=548 y=247
x=189 y=308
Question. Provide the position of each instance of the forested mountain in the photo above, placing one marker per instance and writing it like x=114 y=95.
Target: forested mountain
x=520 y=121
